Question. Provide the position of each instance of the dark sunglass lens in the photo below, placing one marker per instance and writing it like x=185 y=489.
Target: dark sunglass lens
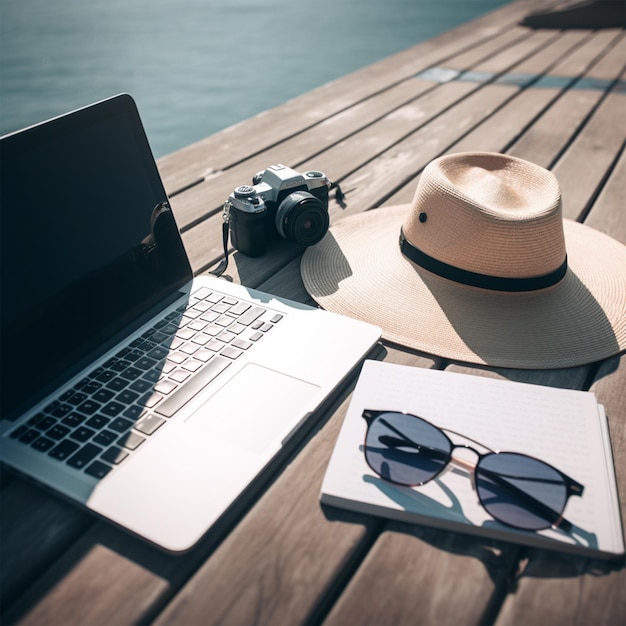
x=406 y=449
x=520 y=491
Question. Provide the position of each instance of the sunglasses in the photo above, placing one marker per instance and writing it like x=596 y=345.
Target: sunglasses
x=515 y=489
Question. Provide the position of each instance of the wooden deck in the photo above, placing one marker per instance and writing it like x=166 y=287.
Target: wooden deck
x=555 y=97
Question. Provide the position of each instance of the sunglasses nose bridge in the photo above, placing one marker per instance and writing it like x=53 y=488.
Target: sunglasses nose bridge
x=462 y=456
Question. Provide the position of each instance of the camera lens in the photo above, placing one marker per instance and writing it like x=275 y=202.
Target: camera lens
x=302 y=218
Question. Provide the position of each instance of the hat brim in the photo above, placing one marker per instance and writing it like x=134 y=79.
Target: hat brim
x=358 y=270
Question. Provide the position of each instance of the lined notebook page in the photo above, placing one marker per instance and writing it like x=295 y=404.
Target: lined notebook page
x=565 y=428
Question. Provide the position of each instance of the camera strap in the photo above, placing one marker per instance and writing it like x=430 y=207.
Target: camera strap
x=221 y=268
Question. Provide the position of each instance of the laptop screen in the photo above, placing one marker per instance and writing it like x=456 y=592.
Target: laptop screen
x=88 y=243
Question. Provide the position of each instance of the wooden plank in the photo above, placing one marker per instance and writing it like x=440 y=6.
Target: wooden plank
x=36 y=528
x=604 y=216
x=288 y=554
x=547 y=139
x=564 y=590
x=402 y=99
x=423 y=567
x=516 y=117
x=537 y=124
x=191 y=164
x=581 y=171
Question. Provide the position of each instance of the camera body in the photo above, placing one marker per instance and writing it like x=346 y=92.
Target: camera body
x=281 y=202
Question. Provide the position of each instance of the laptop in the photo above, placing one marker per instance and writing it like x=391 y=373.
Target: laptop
x=148 y=396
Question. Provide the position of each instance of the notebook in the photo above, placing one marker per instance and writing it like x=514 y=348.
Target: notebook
x=567 y=429
x=150 y=397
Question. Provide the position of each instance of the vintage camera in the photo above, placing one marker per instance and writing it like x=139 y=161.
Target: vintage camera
x=280 y=202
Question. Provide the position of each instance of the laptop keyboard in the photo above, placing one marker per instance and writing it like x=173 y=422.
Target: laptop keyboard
x=109 y=414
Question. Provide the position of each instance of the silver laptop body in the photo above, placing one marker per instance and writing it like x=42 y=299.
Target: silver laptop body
x=150 y=397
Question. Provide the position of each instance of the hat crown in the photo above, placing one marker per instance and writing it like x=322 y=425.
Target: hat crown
x=490 y=214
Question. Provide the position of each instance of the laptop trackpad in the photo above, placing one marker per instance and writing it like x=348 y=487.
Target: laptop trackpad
x=255 y=409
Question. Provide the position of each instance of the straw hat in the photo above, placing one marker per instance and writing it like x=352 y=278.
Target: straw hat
x=481 y=267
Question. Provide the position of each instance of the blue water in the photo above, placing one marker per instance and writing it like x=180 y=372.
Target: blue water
x=197 y=66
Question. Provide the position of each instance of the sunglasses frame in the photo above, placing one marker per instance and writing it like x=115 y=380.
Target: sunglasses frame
x=572 y=487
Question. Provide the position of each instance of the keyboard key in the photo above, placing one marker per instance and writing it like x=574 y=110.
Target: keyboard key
x=117 y=384
x=185 y=334
x=43 y=444
x=53 y=405
x=231 y=353
x=131 y=440
x=98 y=469
x=105 y=376
x=84 y=456
x=127 y=397
x=251 y=315
x=189 y=348
x=201 y=339
x=35 y=419
x=203 y=355
x=82 y=434
x=57 y=432
x=91 y=387
x=165 y=387
x=64 y=449
x=149 y=424
x=121 y=425
x=158 y=353
x=62 y=410
x=133 y=412
x=131 y=373
x=77 y=398
x=98 y=422
x=180 y=376
x=145 y=363
x=89 y=407
x=103 y=395
x=153 y=376
x=150 y=399
x=201 y=293
x=224 y=321
x=73 y=420
x=141 y=385
x=113 y=408
x=29 y=436
x=202 y=378
x=177 y=357
x=209 y=316
x=105 y=438
x=119 y=366
x=114 y=455
x=226 y=336
x=239 y=308
x=45 y=423
x=193 y=365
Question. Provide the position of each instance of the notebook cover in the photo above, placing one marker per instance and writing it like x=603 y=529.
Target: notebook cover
x=565 y=428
